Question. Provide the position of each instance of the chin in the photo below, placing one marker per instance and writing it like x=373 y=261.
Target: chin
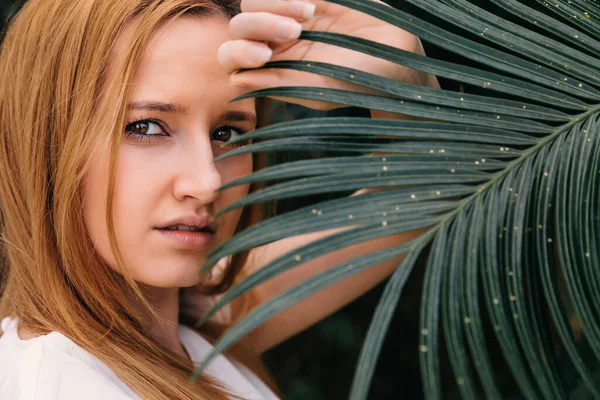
x=173 y=277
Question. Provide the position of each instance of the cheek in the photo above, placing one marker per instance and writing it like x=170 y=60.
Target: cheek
x=230 y=170
x=131 y=182
x=94 y=195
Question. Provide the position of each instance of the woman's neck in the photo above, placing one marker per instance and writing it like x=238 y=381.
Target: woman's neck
x=166 y=303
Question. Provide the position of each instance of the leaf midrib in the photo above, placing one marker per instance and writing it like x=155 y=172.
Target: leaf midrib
x=514 y=164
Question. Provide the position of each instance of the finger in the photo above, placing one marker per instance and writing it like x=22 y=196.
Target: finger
x=264 y=26
x=299 y=10
x=237 y=54
x=264 y=79
x=257 y=79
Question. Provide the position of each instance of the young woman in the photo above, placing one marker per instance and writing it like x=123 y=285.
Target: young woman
x=111 y=113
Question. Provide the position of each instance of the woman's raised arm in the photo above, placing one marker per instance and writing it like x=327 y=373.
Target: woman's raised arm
x=267 y=31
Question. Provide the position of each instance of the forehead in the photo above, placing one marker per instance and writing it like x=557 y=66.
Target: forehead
x=180 y=65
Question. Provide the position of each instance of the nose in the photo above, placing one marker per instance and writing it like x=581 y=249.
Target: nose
x=197 y=175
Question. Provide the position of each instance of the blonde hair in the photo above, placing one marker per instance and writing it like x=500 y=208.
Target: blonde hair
x=54 y=95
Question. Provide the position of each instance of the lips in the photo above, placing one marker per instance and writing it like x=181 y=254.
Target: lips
x=189 y=223
x=189 y=232
x=187 y=228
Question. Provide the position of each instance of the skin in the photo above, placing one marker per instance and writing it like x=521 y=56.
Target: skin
x=194 y=62
x=256 y=30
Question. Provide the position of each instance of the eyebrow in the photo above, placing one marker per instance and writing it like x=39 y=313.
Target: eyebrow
x=234 y=116
x=239 y=116
x=158 y=106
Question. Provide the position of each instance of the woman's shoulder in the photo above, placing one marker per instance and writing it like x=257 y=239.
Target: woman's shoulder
x=52 y=367
x=236 y=377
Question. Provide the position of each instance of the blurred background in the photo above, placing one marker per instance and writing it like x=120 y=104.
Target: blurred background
x=319 y=363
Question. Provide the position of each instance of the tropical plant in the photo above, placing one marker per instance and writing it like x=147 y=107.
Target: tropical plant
x=507 y=176
x=7 y=8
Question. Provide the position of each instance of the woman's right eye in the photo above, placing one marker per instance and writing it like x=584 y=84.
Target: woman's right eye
x=145 y=128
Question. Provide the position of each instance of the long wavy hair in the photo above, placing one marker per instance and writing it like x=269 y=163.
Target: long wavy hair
x=54 y=94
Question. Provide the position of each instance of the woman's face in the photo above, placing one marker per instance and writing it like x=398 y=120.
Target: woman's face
x=178 y=117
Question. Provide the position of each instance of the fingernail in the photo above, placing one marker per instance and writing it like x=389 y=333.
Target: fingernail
x=288 y=30
x=304 y=10
x=309 y=11
x=261 y=54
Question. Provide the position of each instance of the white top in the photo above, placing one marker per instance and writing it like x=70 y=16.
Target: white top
x=52 y=367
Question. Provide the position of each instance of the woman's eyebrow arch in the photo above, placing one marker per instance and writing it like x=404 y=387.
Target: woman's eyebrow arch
x=236 y=116
x=158 y=106
x=239 y=116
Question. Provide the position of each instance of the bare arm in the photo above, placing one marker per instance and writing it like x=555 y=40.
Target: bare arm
x=255 y=29
x=321 y=304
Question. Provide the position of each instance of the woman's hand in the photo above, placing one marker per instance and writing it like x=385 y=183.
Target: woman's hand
x=269 y=30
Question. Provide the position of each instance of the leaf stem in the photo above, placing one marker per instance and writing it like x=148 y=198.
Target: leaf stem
x=514 y=164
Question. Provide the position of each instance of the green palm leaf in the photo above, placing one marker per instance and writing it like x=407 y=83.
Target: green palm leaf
x=425 y=95
x=509 y=27
x=509 y=183
x=405 y=107
x=344 y=126
x=485 y=79
x=575 y=15
x=567 y=33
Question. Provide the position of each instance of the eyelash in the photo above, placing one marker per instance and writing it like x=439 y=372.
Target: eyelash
x=152 y=138
x=143 y=137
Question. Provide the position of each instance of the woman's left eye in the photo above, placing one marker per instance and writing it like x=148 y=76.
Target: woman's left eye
x=225 y=133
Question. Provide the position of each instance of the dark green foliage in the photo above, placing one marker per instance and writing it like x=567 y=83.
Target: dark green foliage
x=510 y=287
